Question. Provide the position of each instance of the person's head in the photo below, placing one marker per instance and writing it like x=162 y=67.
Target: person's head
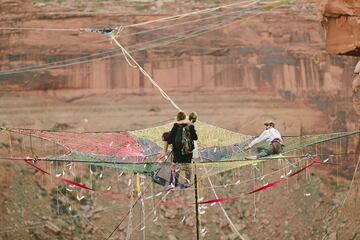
x=165 y=136
x=180 y=116
x=193 y=117
x=269 y=124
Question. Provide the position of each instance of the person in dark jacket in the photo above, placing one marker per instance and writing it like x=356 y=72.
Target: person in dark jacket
x=181 y=155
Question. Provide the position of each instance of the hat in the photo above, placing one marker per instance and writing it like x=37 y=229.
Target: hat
x=269 y=122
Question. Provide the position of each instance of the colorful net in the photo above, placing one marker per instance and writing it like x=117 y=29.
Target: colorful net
x=137 y=151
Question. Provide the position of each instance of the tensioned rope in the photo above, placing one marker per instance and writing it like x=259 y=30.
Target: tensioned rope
x=41 y=29
x=108 y=54
x=126 y=54
x=112 y=53
x=340 y=208
x=214 y=200
x=191 y=13
x=189 y=22
x=130 y=210
x=223 y=210
x=170 y=18
x=192 y=34
x=219 y=200
x=36 y=67
x=144 y=72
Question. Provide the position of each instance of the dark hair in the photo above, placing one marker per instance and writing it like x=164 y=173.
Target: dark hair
x=165 y=136
x=180 y=116
x=193 y=117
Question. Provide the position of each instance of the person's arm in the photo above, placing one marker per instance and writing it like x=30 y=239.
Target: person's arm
x=263 y=136
x=168 y=138
x=164 y=151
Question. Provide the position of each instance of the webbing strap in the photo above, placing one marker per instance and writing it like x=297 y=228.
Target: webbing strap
x=314 y=161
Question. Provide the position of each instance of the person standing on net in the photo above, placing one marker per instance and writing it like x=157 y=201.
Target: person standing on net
x=182 y=137
x=272 y=136
x=192 y=119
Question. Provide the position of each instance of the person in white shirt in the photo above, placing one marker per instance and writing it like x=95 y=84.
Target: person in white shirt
x=272 y=137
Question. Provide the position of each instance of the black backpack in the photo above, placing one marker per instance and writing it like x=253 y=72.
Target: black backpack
x=183 y=140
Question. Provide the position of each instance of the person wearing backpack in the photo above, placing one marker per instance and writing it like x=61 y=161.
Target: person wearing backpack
x=165 y=136
x=182 y=137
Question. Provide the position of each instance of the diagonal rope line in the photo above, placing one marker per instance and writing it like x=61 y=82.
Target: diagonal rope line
x=163 y=93
x=112 y=54
x=208 y=10
x=223 y=210
x=100 y=55
x=352 y=182
x=163 y=19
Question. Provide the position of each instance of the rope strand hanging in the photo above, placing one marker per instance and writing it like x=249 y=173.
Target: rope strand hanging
x=127 y=55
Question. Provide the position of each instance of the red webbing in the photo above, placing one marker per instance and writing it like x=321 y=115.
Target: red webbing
x=103 y=193
x=34 y=166
x=314 y=161
x=219 y=200
x=302 y=169
x=75 y=183
x=61 y=178
x=266 y=186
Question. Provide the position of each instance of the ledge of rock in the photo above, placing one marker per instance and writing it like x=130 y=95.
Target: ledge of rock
x=341 y=21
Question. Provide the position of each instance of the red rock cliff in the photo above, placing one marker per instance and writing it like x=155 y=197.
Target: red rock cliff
x=342 y=25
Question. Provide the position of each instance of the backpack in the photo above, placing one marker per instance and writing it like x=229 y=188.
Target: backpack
x=183 y=140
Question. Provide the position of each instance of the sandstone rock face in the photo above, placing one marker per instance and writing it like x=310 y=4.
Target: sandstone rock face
x=356 y=88
x=356 y=96
x=342 y=25
x=263 y=52
x=281 y=51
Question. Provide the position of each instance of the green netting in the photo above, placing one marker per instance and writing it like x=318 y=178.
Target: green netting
x=144 y=167
x=219 y=149
x=300 y=142
x=293 y=144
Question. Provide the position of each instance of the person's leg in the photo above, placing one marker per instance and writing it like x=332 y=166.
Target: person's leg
x=278 y=148
x=263 y=152
x=188 y=172
x=260 y=149
x=182 y=172
x=185 y=173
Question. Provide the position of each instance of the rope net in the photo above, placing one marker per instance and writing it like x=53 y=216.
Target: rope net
x=114 y=183
x=138 y=151
x=120 y=166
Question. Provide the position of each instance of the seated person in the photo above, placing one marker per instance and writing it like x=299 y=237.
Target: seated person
x=271 y=136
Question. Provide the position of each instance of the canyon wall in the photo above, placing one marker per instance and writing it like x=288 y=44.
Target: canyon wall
x=282 y=50
x=266 y=51
x=341 y=21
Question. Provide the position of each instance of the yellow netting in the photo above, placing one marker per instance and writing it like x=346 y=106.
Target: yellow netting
x=209 y=136
x=219 y=149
